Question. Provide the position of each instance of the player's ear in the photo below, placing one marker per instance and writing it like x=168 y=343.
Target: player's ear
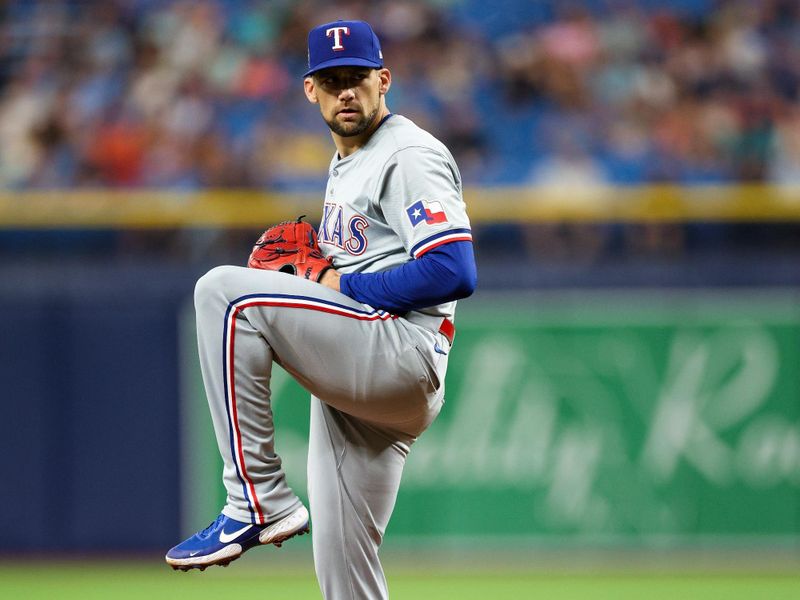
x=310 y=89
x=385 y=80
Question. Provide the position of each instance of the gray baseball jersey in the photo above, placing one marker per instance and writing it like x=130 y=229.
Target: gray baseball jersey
x=376 y=379
x=393 y=200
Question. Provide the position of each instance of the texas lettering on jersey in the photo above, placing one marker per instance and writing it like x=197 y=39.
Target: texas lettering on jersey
x=350 y=237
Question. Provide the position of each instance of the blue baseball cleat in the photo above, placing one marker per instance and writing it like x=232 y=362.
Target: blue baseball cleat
x=226 y=539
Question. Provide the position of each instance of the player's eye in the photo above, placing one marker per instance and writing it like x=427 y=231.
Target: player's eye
x=357 y=78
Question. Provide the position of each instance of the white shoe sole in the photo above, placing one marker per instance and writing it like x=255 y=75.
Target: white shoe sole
x=222 y=557
x=277 y=533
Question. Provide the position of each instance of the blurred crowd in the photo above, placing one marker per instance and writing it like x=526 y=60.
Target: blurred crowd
x=189 y=94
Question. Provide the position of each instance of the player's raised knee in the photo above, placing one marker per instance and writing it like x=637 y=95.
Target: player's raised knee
x=214 y=282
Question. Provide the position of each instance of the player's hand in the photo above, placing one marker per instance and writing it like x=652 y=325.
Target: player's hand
x=330 y=278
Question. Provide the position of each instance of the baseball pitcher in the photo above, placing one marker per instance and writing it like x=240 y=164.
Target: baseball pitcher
x=360 y=312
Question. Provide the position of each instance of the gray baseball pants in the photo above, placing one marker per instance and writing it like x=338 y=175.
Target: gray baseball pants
x=376 y=382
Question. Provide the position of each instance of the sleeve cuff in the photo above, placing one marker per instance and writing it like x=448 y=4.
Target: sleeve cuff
x=438 y=239
x=344 y=284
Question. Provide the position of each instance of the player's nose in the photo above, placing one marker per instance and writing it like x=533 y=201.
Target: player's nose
x=347 y=94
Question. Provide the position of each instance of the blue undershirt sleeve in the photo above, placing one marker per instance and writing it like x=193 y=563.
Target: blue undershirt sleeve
x=443 y=274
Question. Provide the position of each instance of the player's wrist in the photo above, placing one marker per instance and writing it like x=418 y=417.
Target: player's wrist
x=331 y=278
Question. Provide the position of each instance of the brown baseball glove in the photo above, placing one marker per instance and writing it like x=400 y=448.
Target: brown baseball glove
x=290 y=247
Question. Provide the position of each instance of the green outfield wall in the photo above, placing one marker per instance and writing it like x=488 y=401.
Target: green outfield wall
x=608 y=418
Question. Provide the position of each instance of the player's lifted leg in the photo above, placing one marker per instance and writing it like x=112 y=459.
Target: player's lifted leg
x=261 y=508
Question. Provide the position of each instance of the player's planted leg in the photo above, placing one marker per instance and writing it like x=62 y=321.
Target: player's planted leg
x=351 y=511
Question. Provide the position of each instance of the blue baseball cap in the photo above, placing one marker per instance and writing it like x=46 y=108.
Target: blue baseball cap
x=343 y=44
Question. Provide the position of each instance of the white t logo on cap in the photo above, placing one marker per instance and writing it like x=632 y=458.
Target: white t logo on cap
x=337 y=36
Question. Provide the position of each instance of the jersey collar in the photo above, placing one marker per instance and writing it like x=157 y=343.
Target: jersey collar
x=383 y=120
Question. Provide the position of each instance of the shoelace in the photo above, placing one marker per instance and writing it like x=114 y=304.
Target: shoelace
x=210 y=529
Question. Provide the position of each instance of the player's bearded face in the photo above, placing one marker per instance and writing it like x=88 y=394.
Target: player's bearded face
x=352 y=126
x=349 y=99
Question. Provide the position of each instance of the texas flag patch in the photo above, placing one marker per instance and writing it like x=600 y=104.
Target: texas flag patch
x=423 y=211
